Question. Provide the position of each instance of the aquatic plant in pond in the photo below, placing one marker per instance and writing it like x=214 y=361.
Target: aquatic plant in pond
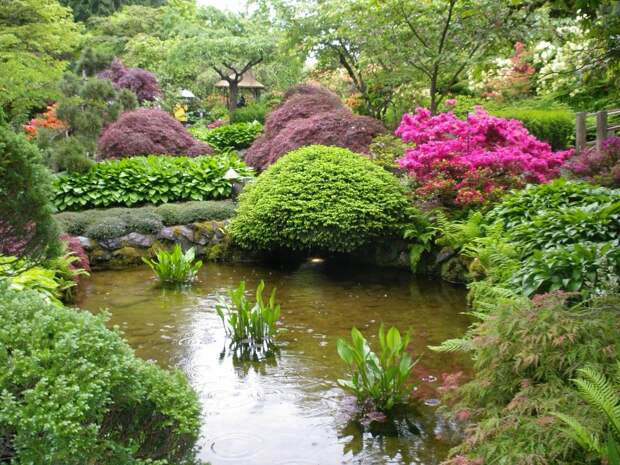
x=380 y=378
x=250 y=325
x=176 y=266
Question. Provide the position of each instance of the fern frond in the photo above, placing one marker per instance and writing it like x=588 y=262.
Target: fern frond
x=579 y=433
x=454 y=345
x=599 y=391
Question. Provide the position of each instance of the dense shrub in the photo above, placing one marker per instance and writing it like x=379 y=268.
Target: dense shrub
x=525 y=356
x=114 y=222
x=148 y=131
x=311 y=115
x=385 y=150
x=229 y=136
x=75 y=249
x=250 y=113
x=554 y=126
x=320 y=199
x=141 y=180
x=73 y=392
x=139 y=81
x=26 y=224
x=472 y=161
x=599 y=166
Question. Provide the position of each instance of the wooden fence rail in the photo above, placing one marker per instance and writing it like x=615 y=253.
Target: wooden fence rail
x=603 y=128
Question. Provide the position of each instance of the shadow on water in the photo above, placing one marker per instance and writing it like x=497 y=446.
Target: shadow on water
x=287 y=407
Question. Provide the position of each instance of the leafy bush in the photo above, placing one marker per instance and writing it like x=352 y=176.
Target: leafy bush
x=385 y=150
x=190 y=212
x=253 y=325
x=139 y=81
x=471 y=162
x=320 y=198
x=525 y=356
x=26 y=224
x=152 y=179
x=73 y=392
x=599 y=167
x=175 y=267
x=148 y=131
x=229 y=136
x=311 y=115
x=108 y=228
x=250 y=113
x=554 y=126
x=381 y=378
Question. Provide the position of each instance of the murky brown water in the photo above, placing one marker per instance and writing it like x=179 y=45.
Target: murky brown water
x=290 y=411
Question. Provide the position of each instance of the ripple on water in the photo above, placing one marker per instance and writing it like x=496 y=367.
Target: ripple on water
x=432 y=402
x=297 y=462
x=224 y=399
x=237 y=445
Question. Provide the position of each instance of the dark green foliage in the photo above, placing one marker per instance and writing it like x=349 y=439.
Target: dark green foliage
x=250 y=113
x=320 y=198
x=229 y=136
x=190 y=212
x=555 y=126
x=84 y=9
x=385 y=150
x=525 y=356
x=107 y=228
x=140 y=180
x=26 y=224
x=74 y=393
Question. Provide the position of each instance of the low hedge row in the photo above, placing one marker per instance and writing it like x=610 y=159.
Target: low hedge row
x=152 y=179
x=116 y=222
x=230 y=136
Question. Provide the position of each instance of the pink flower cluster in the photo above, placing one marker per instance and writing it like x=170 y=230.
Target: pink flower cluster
x=472 y=161
x=599 y=166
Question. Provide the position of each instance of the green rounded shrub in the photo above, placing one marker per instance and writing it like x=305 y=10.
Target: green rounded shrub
x=320 y=198
x=107 y=228
x=72 y=392
x=191 y=212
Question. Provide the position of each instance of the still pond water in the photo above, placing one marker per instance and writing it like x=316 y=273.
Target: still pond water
x=290 y=411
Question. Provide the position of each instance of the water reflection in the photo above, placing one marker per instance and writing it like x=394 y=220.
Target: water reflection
x=288 y=409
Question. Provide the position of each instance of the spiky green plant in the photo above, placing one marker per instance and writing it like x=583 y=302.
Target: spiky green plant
x=250 y=324
x=175 y=267
x=381 y=378
x=602 y=394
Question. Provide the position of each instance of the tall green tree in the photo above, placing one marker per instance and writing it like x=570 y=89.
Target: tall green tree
x=37 y=37
x=84 y=9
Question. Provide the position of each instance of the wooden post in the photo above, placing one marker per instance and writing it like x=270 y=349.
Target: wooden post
x=601 y=129
x=580 y=136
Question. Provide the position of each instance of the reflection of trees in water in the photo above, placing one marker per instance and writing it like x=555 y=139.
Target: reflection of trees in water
x=369 y=435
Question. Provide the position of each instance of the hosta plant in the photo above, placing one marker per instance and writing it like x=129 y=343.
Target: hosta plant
x=252 y=326
x=175 y=267
x=380 y=378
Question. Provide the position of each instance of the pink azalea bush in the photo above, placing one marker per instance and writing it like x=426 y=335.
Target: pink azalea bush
x=472 y=161
x=599 y=166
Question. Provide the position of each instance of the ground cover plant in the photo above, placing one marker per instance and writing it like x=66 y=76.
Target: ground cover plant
x=146 y=220
x=174 y=267
x=474 y=161
x=73 y=392
x=148 y=132
x=311 y=115
x=320 y=199
x=378 y=377
x=140 y=180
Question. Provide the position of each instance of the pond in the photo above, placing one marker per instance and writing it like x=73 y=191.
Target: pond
x=290 y=410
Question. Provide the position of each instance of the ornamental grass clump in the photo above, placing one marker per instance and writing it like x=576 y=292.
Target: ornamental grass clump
x=175 y=267
x=252 y=327
x=473 y=161
x=380 y=378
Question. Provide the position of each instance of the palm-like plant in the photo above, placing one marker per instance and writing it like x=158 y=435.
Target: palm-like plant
x=381 y=378
x=602 y=394
x=250 y=324
x=175 y=267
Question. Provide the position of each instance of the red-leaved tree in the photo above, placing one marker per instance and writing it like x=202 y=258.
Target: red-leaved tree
x=141 y=82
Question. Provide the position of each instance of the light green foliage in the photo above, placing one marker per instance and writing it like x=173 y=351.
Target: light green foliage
x=153 y=179
x=84 y=9
x=36 y=39
x=229 y=136
x=52 y=280
x=380 y=378
x=525 y=355
x=26 y=224
x=321 y=198
x=255 y=111
x=73 y=392
x=252 y=324
x=175 y=267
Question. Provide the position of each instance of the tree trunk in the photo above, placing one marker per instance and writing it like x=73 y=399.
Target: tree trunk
x=233 y=96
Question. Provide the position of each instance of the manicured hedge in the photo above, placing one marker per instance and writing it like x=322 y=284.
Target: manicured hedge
x=229 y=136
x=321 y=198
x=140 y=180
x=72 y=392
x=115 y=222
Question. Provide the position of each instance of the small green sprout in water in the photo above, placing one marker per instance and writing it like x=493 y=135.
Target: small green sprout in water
x=175 y=267
x=381 y=378
x=251 y=326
